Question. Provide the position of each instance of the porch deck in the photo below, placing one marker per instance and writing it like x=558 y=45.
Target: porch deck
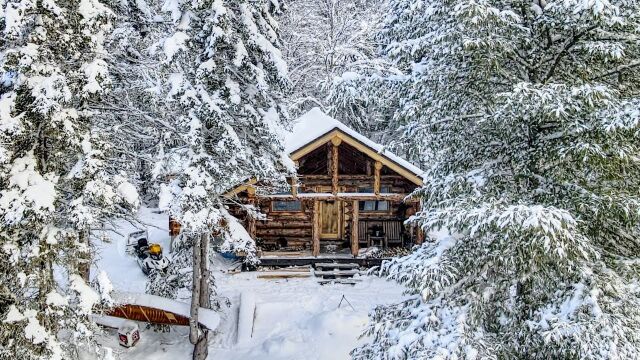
x=305 y=257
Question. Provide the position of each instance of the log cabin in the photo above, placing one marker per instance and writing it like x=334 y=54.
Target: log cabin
x=349 y=194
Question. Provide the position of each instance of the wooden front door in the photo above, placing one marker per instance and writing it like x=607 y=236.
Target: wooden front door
x=330 y=219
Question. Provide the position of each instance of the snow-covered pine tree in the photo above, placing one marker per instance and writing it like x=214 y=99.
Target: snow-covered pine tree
x=322 y=40
x=135 y=111
x=531 y=110
x=53 y=183
x=361 y=90
x=226 y=79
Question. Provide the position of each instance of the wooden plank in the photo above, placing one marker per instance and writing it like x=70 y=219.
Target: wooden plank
x=283 y=276
x=336 y=273
x=349 y=281
x=316 y=228
x=309 y=260
x=337 y=265
x=355 y=218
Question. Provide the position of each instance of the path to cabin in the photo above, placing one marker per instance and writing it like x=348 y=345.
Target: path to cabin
x=295 y=318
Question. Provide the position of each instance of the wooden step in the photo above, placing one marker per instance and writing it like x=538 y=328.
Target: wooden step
x=336 y=273
x=350 y=281
x=337 y=266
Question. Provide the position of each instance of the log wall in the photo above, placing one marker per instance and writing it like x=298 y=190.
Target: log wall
x=296 y=227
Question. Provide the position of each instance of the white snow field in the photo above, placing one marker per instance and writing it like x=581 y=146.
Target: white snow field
x=294 y=318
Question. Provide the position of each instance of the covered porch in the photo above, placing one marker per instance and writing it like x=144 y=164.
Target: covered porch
x=341 y=225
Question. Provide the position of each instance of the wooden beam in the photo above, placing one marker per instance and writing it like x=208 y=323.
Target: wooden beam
x=376 y=177
x=372 y=153
x=316 y=228
x=334 y=164
x=294 y=186
x=337 y=197
x=355 y=218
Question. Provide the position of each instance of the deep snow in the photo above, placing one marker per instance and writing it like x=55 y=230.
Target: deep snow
x=294 y=318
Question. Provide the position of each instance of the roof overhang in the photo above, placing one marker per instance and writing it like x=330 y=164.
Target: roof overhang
x=372 y=153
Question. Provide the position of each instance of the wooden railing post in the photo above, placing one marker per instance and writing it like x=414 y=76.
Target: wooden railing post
x=316 y=228
x=355 y=218
x=294 y=186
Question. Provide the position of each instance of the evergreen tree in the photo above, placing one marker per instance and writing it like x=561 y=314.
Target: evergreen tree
x=322 y=41
x=530 y=111
x=226 y=76
x=54 y=183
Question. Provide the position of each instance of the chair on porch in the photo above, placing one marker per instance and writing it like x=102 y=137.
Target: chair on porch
x=393 y=232
x=376 y=235
x=380 y=232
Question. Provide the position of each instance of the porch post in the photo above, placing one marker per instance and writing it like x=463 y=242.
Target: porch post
x=420 y=233
x=294 y=186
x=316 y=228
x=334 y=164
x=376 y=179
x=355 y=218
x=251 y=220
x=420 y=236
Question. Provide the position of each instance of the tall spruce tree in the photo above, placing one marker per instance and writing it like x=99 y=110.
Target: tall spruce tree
x=226 y=75
x=53 y=184
x=530 y=109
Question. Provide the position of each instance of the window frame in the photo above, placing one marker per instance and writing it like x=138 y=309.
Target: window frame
x=273 y=205
x=377 y=203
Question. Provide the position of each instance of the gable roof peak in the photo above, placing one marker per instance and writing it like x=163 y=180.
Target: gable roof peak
x=315 y=124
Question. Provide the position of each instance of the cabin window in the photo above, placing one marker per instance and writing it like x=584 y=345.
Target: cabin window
x=292 y=205
x=374 y=205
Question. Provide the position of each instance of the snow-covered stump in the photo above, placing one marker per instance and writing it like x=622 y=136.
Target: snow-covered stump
x=246 y=316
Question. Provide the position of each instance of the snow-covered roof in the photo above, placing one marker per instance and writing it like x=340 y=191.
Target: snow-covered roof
x=315 y=124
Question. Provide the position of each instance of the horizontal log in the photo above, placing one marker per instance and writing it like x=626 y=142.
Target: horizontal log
x=351 y=177
x=339 y=196
x=275 y=238
x=283 y=232
x=285 y=224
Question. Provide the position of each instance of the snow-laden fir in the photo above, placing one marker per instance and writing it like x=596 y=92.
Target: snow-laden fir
x=526 y=114
x=56 y=182
x=529 y=114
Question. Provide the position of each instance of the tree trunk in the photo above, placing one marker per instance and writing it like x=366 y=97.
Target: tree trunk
x=84 y=262
x=195 y=292
x=201 y=348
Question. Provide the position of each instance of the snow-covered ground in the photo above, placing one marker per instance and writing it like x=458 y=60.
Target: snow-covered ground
x=294 y=318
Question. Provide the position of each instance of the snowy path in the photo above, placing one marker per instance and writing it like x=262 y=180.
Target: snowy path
x=294 y=318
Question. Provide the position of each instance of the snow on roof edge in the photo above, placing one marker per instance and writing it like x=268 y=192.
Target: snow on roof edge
x=315 y=123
